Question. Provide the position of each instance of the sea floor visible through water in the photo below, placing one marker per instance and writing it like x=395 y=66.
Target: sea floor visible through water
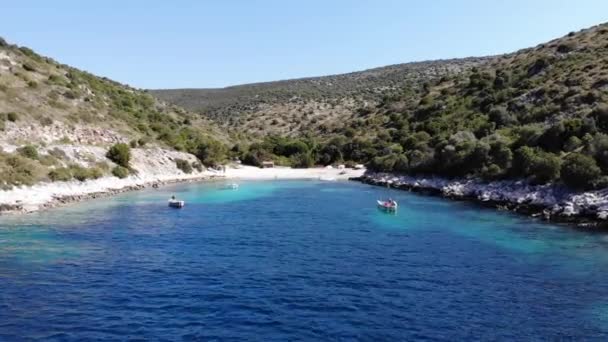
x=296 y=260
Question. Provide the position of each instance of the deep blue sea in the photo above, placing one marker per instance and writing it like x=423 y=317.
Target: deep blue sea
x=297 y=260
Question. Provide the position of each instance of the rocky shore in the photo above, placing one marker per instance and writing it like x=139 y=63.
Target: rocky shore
x=21 y=206
x=548 y=202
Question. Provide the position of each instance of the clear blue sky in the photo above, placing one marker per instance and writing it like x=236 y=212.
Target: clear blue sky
x=175 y=44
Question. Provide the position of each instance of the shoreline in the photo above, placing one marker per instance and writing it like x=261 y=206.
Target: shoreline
x=245 y=172
x=45 y=196
x=55 y=201
x=549 y=203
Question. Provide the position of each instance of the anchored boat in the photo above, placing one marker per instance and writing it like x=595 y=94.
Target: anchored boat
x=173 y=203
x=389 y=205
x=231 y=186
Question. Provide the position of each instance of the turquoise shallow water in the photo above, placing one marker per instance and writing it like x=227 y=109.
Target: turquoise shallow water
x=296 y=260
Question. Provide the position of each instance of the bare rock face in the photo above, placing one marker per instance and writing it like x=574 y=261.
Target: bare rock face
x=17 y=133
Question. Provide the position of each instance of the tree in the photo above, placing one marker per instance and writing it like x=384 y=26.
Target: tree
x=211 y=152
x=501 y=117
x=256 y=154
x=541 y=166
x=572 y=144
x=120 y=154
x=501 y=154
x=302 y=160
x=420 y=160
x=384 y=163
x=600 y=114
x=332 y=152
x=597 y=146
x=546 y=168
x=580 y=171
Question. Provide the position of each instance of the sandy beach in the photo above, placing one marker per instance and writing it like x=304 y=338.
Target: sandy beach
x=255 y=173
x=47 y=195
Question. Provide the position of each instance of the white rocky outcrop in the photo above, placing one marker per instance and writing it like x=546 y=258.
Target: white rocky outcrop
x=557 y=200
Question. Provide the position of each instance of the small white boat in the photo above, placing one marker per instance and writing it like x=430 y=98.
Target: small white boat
x=176 y=204
x=387 y=205
x=231 y=186
x=327 y=179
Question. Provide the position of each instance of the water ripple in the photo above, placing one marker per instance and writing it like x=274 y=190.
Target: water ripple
x=296 y=261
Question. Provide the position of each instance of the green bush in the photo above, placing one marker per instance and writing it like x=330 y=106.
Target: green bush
x=17 y=170
x=546 y=168
x=491 y=172
x=541 y=166
x=502 y=117
x=28 y=151
x=95 y=172
x=580 y=171
x=211 y=152
x=600 y=114
x=120 y=172
x=12 y=116
x=183 y=165
x=302 y=160
x=120 y=154
x=392 y=162
x=572 y=144
x=62 y=174
x=82 y=174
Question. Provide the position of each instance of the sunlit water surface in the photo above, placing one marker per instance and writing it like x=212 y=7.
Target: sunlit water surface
x=296 y=260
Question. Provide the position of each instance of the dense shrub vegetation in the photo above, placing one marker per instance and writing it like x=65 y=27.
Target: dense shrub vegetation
x=61 y=95
x=28 y=151
x=75 y=172
x=120 y=154
x=120 y=171
x=16 y=170
x=183 y=165
x=540 y=114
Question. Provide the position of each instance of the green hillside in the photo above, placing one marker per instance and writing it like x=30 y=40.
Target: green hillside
x=539 y=113
x=39 y=90
x=292 y=106
x=44 y=103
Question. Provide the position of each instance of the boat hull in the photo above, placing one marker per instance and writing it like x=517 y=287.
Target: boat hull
x=382 y=206
x=176 y=204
